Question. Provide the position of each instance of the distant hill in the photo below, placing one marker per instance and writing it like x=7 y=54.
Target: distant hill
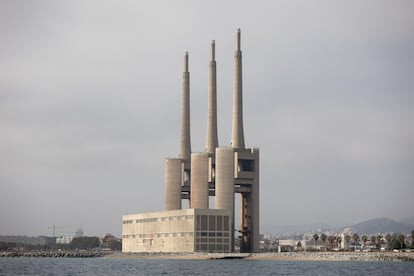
x=293 y=229
x=408 y=220
x=381 y=225
x=368 y=227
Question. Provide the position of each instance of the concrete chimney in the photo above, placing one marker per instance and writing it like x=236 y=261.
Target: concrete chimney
x=212 y=137
x=185 y=143
x=237 y=137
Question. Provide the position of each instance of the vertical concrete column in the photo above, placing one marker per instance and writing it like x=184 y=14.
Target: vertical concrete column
x=224 y=198
x=199 y=180
x=237 y=136
x=212 y=137
x=185 y=143
x=255 y=202
x=173 y=180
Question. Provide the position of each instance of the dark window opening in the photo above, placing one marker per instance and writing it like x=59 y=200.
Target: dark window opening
x=246 y=165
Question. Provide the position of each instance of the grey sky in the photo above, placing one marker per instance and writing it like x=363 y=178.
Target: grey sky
x=90 y=106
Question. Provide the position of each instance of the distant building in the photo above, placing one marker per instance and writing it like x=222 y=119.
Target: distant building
x=291 y=245
x=79 y=233
x=64 y=240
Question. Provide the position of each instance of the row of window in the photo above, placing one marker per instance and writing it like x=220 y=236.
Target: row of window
x=159 y=235
x=212 y=223
x=212 y=234
x=172 y=218
x=213 y=240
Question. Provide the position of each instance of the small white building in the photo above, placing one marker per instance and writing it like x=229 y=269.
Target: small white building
x=64 y=240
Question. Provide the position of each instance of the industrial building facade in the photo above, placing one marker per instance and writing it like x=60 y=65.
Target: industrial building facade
x=220 y=172
x=188 y=230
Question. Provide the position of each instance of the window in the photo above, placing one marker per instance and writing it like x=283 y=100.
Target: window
x=212 y=223
x=219 y=223
x=246 y=165
x=226 y=223
x=203 y=222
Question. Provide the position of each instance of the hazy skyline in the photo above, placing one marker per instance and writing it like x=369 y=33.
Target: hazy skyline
x=90 y=96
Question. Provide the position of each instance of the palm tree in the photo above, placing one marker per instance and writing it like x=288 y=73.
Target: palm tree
x=347 y=240
x=379 y=241
x=401 y=238
x=315 y=237
x=364 y=239
x=323 y=238
x=331 y=240
x=388 y=238
x=339 y=240
x=412 y=238
x=355 y=238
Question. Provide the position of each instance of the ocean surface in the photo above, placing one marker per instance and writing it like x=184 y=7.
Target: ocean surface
x=101 y=266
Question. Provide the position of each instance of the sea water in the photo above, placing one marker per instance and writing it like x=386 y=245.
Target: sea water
x=102 y=266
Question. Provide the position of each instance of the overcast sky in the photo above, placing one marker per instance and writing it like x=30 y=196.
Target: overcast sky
x=90 y=95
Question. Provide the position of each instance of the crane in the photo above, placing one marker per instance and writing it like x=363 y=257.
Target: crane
x=57 y=226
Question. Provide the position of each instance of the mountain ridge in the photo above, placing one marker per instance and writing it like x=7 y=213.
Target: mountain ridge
x=369 y=226
x=381 y=225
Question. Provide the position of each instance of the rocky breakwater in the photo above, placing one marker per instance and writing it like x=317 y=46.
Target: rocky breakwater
x=54 y=254
x=338 y=256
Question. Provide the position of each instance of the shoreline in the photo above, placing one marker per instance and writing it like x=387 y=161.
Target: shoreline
x=287 y=256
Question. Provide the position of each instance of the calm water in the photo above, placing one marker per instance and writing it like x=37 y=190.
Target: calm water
x=40 y=266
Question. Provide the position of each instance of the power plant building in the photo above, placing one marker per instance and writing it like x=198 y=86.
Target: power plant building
x=220 y=172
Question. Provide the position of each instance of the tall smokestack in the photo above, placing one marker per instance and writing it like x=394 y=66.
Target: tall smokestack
x=237 y=137
x=185 y=143
x=212 y=138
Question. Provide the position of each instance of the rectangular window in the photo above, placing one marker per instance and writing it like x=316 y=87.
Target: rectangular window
x=204 y=222
x=212 y=223
x=246 y=165
x=198 y=223
x=219 y=223
x=226 y=225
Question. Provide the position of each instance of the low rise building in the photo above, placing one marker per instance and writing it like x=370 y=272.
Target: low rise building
x=187 y=230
